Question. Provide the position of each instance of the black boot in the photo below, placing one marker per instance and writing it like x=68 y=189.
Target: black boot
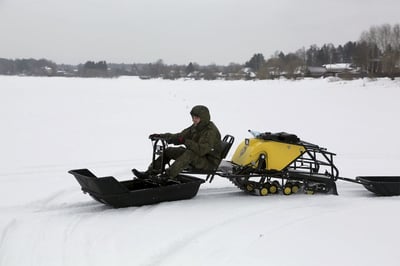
x=140 y=175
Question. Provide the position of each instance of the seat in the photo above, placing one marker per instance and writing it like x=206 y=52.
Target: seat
x=226 y=144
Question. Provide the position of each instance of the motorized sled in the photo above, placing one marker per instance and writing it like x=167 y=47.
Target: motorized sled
x=267 y=163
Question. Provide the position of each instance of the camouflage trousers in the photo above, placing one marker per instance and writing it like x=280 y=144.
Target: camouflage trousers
x=183 y=158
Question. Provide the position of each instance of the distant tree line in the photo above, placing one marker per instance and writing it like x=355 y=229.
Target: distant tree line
x=30 y=67
x=376 y=53
x=93 y=69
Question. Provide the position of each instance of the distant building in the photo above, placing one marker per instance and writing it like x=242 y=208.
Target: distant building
x=248 y=73
x=314 y=72
x=338 y=68
x=342 y=70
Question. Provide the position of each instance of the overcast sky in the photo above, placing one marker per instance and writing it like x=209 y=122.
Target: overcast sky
x=181 y=31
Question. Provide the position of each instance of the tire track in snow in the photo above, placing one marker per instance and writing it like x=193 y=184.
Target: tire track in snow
x=69 y=233
x=56 y=168
x=178 y=246
x=45 y=203
x=209 y=191
x=5 y=234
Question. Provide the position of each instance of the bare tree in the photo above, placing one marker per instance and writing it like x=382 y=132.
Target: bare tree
x=384 y=48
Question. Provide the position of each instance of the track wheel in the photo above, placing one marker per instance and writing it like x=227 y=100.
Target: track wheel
x=273 y=188
x=249 y=187
x=309 y=192
x=263 y=191
x=295 y=187
x=287 y=190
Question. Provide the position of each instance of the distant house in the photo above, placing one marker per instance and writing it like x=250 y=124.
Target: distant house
x=338 y=68
x=248 y=73
x=342 y=70
x=314 y=72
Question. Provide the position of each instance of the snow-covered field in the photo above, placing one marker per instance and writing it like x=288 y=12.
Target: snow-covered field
x=52 y=125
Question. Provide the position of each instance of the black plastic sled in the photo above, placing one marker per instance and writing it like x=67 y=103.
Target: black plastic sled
x=136 y=192
x=381 y=185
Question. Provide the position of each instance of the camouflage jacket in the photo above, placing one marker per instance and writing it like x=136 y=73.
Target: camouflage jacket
x=203 y=139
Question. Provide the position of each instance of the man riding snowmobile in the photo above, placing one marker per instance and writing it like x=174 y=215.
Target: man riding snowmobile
x=201 y=151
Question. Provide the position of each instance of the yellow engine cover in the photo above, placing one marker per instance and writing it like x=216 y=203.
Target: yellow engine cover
x=278 y=154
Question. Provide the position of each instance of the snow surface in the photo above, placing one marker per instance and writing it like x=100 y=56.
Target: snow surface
x=52 y=125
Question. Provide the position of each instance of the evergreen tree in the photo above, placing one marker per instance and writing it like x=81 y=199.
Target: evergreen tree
x=256 y=62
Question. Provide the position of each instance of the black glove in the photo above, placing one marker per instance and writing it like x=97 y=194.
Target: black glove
x=155 y=136
x=177 y=141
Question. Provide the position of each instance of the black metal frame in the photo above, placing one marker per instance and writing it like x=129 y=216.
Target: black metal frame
x=312 y=163
x=159 y=150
